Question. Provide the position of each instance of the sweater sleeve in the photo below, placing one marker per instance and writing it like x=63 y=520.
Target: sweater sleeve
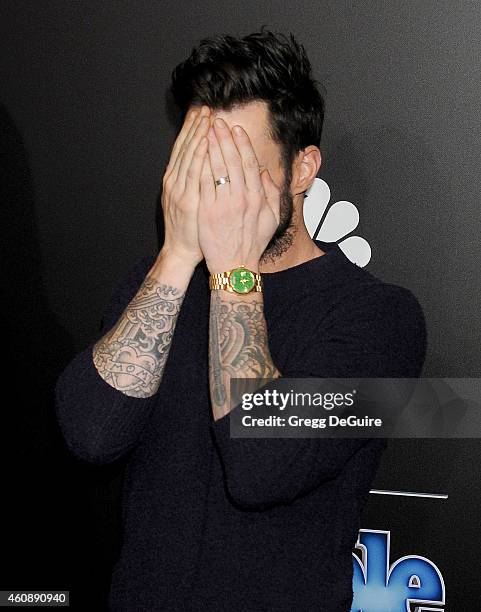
x=379 y=332
x=99 y=423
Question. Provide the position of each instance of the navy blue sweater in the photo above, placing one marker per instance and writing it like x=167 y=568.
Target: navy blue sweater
x=219 y=524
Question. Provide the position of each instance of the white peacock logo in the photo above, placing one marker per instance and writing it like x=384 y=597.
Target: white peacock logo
x=341 y=219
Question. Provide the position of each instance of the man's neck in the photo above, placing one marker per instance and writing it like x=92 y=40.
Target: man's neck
x=303 y=249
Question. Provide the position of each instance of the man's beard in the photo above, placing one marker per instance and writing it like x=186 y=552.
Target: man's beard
x=283 y=237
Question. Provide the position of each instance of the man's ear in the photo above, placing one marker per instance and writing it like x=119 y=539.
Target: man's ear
x=306 y=168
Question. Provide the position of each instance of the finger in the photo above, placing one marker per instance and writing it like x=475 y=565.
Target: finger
x=217 y=164
x=181 y=143
x=272 y=192
x=195 y=168
x=185 y=153
x=225 y=149
x=191 y=146
x=207 y=186
x=249 y=160
x=188 y=122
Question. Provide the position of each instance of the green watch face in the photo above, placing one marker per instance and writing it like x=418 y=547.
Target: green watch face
x=241 y=280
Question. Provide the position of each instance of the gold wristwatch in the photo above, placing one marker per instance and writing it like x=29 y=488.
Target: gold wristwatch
x=237 y=280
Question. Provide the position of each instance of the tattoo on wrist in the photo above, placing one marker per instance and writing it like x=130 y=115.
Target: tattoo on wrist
x=238 y=344
x=132 y=355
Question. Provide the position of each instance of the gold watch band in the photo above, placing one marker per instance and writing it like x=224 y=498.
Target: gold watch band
x=220 y=280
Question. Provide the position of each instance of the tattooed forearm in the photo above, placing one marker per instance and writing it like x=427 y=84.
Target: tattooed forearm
x=238 y=346
x=132 y=355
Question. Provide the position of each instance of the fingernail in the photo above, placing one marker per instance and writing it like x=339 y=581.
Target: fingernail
x=237 y=130
x=219 y=123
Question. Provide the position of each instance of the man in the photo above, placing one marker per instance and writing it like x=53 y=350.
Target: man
x=239 y=289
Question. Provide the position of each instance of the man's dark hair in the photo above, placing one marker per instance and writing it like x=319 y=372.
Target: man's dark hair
x=224 y=71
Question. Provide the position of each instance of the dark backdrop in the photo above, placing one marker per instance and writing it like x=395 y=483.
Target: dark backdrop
x=86 y=130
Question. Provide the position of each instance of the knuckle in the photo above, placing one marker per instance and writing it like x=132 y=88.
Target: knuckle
x=256 y=198
x=242 y=202
x=251 y=162
x=166 y=182
x=198 y=152
x=175 y=193
x=205 y=179
x=218 y=170
x=167 y=173
x=235 y=161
